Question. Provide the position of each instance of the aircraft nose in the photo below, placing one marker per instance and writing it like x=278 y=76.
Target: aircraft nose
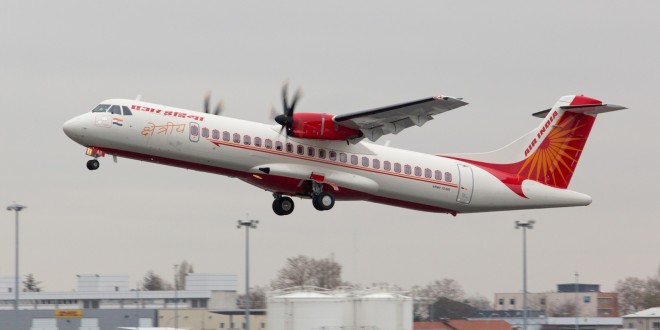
x=74 y=128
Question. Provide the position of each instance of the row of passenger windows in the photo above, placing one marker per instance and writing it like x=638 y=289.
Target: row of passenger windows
x=324 y=154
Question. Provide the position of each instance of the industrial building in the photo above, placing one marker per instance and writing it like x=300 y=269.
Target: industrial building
x=104 y=302
x=648 y=319
x=589 y=300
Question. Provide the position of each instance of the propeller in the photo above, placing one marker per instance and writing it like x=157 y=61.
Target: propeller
x=218 y=108
x=286 y=118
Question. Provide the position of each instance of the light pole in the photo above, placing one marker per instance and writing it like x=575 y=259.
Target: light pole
x=16 y=208
x=176 y=297
x=525 y=225
x=577 y=301
x=247 y=225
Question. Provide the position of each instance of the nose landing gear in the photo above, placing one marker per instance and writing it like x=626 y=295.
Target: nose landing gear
x=93 y=164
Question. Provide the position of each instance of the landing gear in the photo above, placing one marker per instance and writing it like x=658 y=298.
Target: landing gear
x=323 y=201
x=282 y=205
x=93 y=164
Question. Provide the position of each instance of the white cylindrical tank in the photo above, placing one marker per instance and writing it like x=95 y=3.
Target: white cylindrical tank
x=384 y=311
x=306 y=310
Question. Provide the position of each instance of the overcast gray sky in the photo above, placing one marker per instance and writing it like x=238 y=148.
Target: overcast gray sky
x=507 y=59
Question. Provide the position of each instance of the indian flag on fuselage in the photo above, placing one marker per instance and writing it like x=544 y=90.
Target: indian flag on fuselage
x=117 y=121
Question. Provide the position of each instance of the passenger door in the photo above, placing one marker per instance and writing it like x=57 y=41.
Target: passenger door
x=465 y=184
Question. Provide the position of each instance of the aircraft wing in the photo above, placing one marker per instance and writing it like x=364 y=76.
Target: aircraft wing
x=395 y=118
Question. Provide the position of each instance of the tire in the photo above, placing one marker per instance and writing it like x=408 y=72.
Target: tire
x=93 y=164
x=283 y=206
x=323 y=201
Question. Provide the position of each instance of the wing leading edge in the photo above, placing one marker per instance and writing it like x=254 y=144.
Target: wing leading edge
x=395 y=118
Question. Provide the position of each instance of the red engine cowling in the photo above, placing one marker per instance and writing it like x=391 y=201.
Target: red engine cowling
x=321 y=127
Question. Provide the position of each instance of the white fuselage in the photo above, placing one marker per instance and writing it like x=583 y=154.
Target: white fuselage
x=242 y=149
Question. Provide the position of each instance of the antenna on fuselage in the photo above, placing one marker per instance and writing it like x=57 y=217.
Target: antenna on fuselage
x=137 y=98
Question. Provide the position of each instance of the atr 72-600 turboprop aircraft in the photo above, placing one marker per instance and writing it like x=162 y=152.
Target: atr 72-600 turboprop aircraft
x=322 y=157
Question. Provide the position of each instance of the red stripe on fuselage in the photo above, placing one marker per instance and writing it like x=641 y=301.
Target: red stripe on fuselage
x=276 y=183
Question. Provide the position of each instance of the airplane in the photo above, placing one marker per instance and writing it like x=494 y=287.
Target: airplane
x=325 y=157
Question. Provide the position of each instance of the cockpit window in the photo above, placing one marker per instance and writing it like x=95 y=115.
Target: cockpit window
x=115 y=110
x=127 y=111
x=101 y=108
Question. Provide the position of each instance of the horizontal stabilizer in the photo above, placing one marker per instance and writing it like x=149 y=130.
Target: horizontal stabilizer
x=590 y=109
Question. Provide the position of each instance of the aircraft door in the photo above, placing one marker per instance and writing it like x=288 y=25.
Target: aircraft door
x=465 y=184
x=194 y=132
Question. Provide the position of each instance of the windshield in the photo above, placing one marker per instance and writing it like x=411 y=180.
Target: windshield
x=101 y=108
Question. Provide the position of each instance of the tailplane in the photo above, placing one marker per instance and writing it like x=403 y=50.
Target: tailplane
x=550 y=153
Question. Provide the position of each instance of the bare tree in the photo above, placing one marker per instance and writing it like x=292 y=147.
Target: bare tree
x=30 y=284
x=257 y=298
x=566 y=308
x=636 y=294
x=631 y=294
x=153 y=282
x=184 y=268
x=426 y=296
x=302 y=271
x=479 y=302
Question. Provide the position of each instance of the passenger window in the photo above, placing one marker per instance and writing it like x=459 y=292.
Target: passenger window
x=247 y=140
x=438 y=175
x=237 y=138
x=311 y=152
x=365 y=161
x=115 y=110
x=407 y=169
x=127 y=111
x=257 y=142
x=332 y=155
x=418 y=171
x=447 y=176
x=289 y=147
x=300 y=150
x=216 y=135
x=321 y=153
x=387 y=165
x=269 y=144
x=101 y=108
x=278 y=146
x=354 y=159
x=342 y=157
x=427 y=173
x=205 y=132
x=194 y=130
x=397 y=167
x=225 y=135
x=376 y=163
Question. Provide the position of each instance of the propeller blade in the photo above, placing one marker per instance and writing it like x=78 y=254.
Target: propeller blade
x=296 y=97
x=218 y=108
x=285 y=105
x=207 y=100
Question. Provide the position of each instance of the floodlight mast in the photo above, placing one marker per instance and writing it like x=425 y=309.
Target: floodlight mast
x=525 y=225
x=247 y=224
x=16 y=208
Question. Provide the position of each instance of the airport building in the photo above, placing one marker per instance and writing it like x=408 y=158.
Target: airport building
x=648 y=319
x=589 y=300
x=105 y=302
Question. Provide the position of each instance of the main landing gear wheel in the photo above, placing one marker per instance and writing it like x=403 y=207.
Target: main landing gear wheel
x=323 y=201
x=283 y=206
x=93 y=164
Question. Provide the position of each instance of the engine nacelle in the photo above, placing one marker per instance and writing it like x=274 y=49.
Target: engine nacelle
x=321 y=127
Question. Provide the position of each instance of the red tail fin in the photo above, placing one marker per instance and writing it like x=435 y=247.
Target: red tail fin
x=548 y=154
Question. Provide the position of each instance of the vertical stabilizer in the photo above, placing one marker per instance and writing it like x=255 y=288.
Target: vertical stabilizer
x=549 y=153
